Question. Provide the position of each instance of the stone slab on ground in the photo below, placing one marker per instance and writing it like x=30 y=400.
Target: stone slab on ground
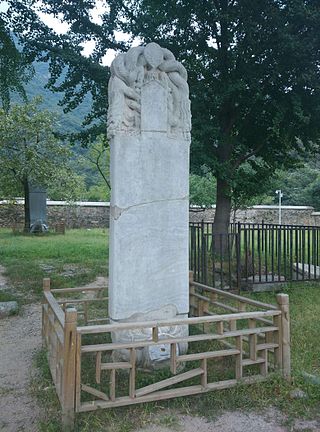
x=3 y=279
x=263 y=283
x=8 y=308
x=311 y=271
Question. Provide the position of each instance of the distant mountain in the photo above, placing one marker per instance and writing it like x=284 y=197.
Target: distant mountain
x=71 y=121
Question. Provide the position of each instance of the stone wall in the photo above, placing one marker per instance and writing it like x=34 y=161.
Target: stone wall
x=77 y=215
x=81 y=215
x=96 y=214
x=291 y=215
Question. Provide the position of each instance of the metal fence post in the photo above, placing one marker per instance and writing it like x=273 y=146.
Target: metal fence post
x=238 y=261
x=203 y=255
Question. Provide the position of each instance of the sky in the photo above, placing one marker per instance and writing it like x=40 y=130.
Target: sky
x=61 y=27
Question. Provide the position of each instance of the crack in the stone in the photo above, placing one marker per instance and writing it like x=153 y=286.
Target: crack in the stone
x=116 y=211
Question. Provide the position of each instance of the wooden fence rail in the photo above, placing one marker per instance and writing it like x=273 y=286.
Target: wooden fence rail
x=252 y=337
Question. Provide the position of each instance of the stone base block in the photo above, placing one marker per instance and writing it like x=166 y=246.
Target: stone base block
x=151 y=357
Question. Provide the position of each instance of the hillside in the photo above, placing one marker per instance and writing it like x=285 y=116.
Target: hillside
x=71 y=121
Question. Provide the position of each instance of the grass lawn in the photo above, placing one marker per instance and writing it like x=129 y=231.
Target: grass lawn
x=80 y=256
x=75 y=258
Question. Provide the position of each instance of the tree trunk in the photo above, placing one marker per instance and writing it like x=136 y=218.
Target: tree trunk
x=223 y=208
x=27 y=218
x=222 y=216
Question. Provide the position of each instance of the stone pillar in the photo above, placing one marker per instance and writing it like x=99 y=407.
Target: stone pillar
x=149 y=130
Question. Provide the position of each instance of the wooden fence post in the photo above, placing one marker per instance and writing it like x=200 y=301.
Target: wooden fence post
x=190 y=276
x=192 y=299
x=46 y=284
x=283 y=302
x=44 y=318
x=69 y=369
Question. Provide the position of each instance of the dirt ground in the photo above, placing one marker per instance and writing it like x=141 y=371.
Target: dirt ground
x=270 y=420
x=20 y=339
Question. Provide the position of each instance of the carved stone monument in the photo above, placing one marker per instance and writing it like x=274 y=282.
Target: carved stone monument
x=149 y=126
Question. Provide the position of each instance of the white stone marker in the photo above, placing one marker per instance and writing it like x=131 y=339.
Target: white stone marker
x=149 y=126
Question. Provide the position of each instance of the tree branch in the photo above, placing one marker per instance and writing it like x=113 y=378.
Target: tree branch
x=243 y=158
x=101 y=172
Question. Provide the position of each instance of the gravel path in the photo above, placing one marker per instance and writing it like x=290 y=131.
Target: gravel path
x=270 y=420
x=20 y=339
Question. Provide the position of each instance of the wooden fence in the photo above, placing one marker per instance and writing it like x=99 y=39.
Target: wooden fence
x=231 y=339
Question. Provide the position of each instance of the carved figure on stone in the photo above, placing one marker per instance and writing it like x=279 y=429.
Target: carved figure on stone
x=133 y=70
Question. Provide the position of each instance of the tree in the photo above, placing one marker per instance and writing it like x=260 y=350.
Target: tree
x=30 y=154
x=300 y=186
x=97 y=159
x=253 y=74
x=15 y=69
x=70 y=72
x=254 y=78
x=98 y=156
x=202 y=188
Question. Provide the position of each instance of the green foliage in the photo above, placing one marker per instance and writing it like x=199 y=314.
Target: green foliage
x=203 y=189
x=300 y=186
x=98 y=158
x=251 y=185
x=15 y=69
x=99 y=192
x=244 y=190
x=253 y=74
x=67 y=186
x=254 y=82
x=94 y=163
x=70 y=73
x=30 y=153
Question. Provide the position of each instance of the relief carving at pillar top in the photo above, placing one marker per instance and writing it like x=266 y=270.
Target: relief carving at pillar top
x=130 y=72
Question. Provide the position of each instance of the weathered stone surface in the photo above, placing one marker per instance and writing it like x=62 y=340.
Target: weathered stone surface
x=151 y=357
x=77 y=215
x=311 y=379
x=298 y=394
x=8 y=308
x=149 y=126
x=38 y=209
x=148 y=246
x=306 y=270
x=291 y=215
x=263 y=283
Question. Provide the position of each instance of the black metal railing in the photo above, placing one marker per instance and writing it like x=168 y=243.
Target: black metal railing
x=254 y=254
